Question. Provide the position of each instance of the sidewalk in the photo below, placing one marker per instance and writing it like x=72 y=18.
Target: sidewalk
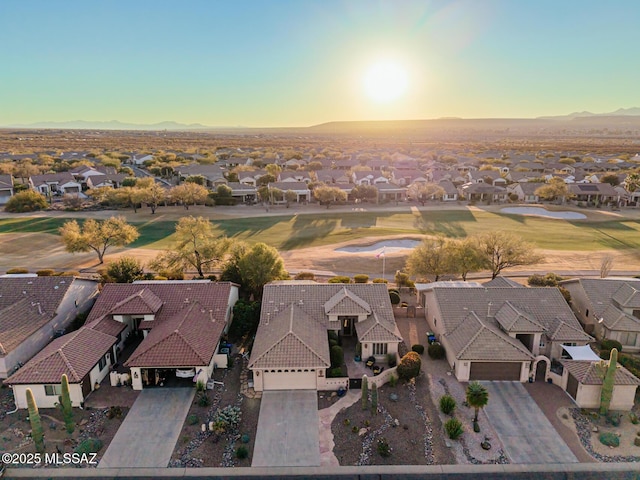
x=326 y=417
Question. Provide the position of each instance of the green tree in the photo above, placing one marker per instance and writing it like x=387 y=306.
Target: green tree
x=409 y=366
x=610 y=178
x=246 y=316
x=197 y=179
x=129 y=197
x=125 y=270
x=26 y=201
x=432 y=258
x=464 y=256
x=265 y=180
x=153 y=195
x=231 y=269
x=260 y=265
x=328 y=195
x=290 y=196
x=555 y=189
x=273 y=170
x=129 y=182
x=197 y=246
x=609 y=382
x=37 y=433
x=365 y=193
x=632 y=182
x=67 y=407
x=502 y=249
x=97 y=236
x=477 y=397
x=189 y=193
x=425 y=191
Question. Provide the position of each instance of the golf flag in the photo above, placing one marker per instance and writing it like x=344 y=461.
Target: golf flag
x=381 y=253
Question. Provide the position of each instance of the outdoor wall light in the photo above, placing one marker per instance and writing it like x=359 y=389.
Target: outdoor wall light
x=257 y=374
x=135 y=374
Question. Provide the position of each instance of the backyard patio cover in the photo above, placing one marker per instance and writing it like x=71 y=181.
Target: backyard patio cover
x=581 y=353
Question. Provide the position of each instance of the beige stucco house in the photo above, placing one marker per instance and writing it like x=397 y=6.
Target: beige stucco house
x=291 y=348
x=500 y=333
x=608 y=308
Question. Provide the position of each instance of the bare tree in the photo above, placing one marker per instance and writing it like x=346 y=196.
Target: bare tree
x=606 y=265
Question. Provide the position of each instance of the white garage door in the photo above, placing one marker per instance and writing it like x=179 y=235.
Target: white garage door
x=291 y=380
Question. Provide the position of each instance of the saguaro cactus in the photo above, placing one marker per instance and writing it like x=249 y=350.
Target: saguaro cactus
x=36 y=424
x=374 y=398
x=67 y=407
x=608 y=382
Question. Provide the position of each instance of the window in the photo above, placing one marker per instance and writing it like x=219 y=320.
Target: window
x=53 y=390
x=102 y=363
x=587 y=313
x=628 y=338
x=542 y=344
x=379 y=348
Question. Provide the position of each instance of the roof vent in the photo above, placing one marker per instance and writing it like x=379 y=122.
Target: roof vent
x=56 y=287
x=62 y=281
x=24 y=292
x=186 y=300
x=29 y=283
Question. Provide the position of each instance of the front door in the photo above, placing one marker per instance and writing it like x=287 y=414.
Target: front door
x=348 y=324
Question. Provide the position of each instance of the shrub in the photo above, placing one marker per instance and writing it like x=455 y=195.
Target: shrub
x=90 y=445
x=192 y=419
x=419 y=349
x=447 y=404
x=339 y=279
x=391 y=360
x=333 y=335
x=607 y=344
x=384 y=450
x=203 y=399
x=242 y=452
x=409 y=366
x=636 y=441
x=609 y=439
x=393 y=380
x=335 y=372
x=45 y=273
x=362 y=278
x=229 y=415
x=614 y=419
x=379 y=280
x=305 y=276
x=394 y=297
x=245 y=438
x=401 y=279
x=332 y=342
x=26 y=201
x=454 y=428
x=337 y=356
x=200 y=386
x=69 y=273
x=436 y=351
x=17 y=270
x=114 y=412
x=633 y=418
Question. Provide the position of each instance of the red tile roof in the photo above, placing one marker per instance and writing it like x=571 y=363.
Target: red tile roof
x=74 y=354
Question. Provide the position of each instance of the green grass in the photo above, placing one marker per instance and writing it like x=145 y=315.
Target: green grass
x=289 y=232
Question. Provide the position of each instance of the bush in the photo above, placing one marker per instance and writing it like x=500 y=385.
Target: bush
x=361 y=278
x=333 y=335
x=391 y=360
x=26 y=201
x=384 y=450
x=379 y=280
x=609 y=439
x=337 y=356
x=203 y=399
x=607 y=344
x=339 y=279
x=409 y=366
x=447 y=404
x=419 y=349
x=192 y=419
x=401 y=279
x=45 y=273
x=436 y=351
x=335 y=372
x=633 y=418
x=114 y=412
x=394 y=297
x=332 y=342
x=18 y=270
x=69 y=273
x=393 y=381
x=90 y=445
x=305 y=276
x=614 y=419
x=454 y=428
x=200 y=386
x=242 y=452
x=245 y=438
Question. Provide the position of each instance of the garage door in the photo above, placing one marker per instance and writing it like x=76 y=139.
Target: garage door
x=495 y=371
x=291 y=380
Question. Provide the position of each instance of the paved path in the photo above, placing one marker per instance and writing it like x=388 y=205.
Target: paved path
x=326 y=416
x=287 y=434
x=525 y=432
x=150 y=430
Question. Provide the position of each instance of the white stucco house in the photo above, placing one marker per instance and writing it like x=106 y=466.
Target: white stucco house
x=291 y=348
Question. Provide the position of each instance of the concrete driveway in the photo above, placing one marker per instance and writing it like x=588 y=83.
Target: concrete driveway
x=150 y=430
x=287 y=434
x=525 y=432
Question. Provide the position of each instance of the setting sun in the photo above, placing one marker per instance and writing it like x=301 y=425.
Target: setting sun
x=385 y=81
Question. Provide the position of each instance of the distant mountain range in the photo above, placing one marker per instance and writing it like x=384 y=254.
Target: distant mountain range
x=117 y=125
x=619 y=115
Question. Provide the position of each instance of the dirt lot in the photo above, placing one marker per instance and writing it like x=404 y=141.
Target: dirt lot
x=205 y=449
x=15 y=429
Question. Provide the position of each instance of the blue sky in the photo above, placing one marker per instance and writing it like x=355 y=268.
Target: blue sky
x=298 y=63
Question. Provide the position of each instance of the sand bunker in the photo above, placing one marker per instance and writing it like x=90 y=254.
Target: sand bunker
x=389 y=246
x=541 y=212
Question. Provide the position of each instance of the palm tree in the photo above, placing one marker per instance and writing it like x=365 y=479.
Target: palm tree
x=477 y=397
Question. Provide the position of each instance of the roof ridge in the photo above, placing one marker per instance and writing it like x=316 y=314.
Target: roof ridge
x=298 y=336
x=67 y=363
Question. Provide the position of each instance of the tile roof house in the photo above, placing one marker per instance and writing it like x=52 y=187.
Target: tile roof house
x=56 y=184
x=213 y=173
x=84 y=356
x=6 y=188
x=584 y=384
x=299 y=188
x=525 y=191
x=608 y=308
x=182 y=323
x=291 y=348
x=594 y=192
x=35 y=309
x=500 y=333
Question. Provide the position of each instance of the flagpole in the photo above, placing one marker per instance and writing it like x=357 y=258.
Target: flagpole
x=384 y=258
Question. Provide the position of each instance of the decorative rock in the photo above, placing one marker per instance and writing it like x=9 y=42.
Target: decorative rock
x=363 y=431
x=334 y=394
x=393 y=397
x=595 y=429
x=203 y=427
x=83 y=422
x=396 y=422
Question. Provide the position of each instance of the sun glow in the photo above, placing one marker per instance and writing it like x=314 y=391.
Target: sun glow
x=385 y=81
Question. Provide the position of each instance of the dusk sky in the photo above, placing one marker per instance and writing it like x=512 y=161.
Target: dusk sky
x=302 y=62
